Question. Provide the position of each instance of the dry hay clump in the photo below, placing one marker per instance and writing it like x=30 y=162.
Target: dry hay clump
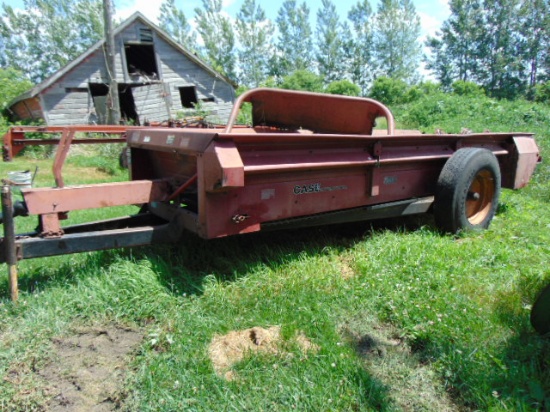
x=227 y=350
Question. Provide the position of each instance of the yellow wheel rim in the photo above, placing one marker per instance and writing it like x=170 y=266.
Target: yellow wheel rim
x=479 y=201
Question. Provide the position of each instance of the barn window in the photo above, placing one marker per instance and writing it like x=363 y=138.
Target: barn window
x=141 y=61
x=146 y=35
x=76 y=90
x=188 y=96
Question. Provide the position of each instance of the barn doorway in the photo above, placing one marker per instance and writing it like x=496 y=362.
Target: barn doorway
x=126 y=103
x=99 y=92
x=128 y=112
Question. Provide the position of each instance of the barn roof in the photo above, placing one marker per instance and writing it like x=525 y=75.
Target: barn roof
x=137 y=16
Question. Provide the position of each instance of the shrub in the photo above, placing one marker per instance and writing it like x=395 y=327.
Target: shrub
x=423 y=89
x=542 y=92
x=303 y=80
x=389 y=91
x=343 y=87
x=464 y=88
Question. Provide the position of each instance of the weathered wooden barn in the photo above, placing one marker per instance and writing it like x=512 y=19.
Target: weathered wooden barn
x=158 y=79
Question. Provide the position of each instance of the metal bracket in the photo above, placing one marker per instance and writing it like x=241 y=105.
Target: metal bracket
x=377 y=152
x=50 y=226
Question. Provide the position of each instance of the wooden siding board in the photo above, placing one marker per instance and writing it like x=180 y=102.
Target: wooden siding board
x=70 y=108
x=91 y=70
x=150 y=102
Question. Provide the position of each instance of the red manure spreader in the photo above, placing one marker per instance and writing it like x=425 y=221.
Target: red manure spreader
x=306 y=159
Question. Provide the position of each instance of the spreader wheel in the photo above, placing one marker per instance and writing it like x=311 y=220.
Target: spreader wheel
x=540 y=314
x=467 y=191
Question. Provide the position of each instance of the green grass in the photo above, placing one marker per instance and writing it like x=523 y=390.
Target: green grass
x=405 y=318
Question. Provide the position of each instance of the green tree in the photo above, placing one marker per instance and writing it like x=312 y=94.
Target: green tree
x=174 y=22
x=254 y=35
x=440 y=62
x=303 y=80
x=48 y=34
x=535 y=38
x=12 y=84
x=389 y=91
x=361 y=64
x=330 y=55
x=499 y=44
x=397 y=30
x=456 y=50
x=465 y=88
x=501 y=69
x=217 y=35
x=343 y=87
x=294 y=49
x=542 y=92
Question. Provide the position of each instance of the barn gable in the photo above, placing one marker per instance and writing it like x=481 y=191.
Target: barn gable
x=157 y=80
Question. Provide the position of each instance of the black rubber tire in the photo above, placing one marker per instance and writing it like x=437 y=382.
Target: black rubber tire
x=540 y=314
x=467 y=192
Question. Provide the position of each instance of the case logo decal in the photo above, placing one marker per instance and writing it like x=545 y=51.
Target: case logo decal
x=316 y=188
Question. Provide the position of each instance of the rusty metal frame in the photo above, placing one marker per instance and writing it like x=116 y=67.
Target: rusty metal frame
x=308 y=159
x=316 y=112
x=48 y=200
x=137 y=230
x=15 y=139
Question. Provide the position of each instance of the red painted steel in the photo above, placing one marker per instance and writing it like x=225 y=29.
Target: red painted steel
x=315 y=112
x=47 y=200
x=305 y=154
x=15 y=139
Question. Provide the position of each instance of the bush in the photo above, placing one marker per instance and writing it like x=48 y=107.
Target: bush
x=453 y=113
x=389 y=91
x=303 y=80
x=464 y=88
x=343 y=87
x=423 y=89
x=542 y=92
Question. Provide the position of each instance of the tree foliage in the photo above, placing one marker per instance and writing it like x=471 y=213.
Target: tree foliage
x=503 y=45
x=331 y=38
x=497 y=47
x=534 y=28
x=397 y=29
x=542 y=92
x=500 y=70
x=389 y=91
x=361 y=59
x=12 y=84
x=216 y=31
x=344 y=88
x=174 y=22
x=254 y=35
x=303 y=80
x=294 y=49
x=465 y=88
x=58 y=29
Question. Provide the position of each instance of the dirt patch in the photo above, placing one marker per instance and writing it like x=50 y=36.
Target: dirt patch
x=227 y=350
x=414 y=385
x=89 y=369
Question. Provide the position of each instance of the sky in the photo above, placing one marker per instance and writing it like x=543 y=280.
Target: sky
x=432 y=13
